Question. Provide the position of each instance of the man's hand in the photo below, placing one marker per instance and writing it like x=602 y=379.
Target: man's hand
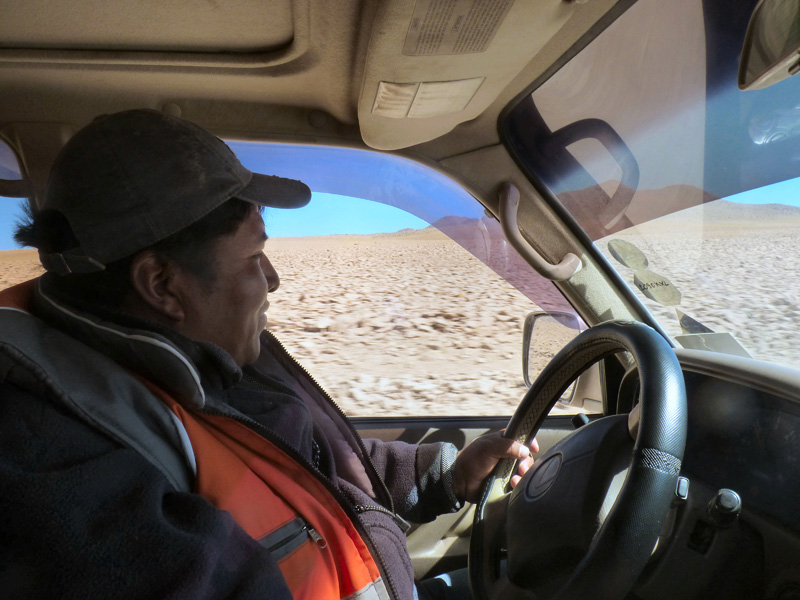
x=476 y=461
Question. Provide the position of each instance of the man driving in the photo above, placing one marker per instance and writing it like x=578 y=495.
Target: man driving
x=156 y=441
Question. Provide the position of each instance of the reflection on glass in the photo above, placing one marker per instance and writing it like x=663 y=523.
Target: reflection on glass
x=715 y=210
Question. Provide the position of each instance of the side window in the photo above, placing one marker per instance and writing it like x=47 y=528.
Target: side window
x=409 y=303
x=398 y=293
x=9 y=167
x=16 y=265
x=399 y=323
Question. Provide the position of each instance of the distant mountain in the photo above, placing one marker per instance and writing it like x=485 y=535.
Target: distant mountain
x=595 y=210
x=651 y=204
x=453 y=221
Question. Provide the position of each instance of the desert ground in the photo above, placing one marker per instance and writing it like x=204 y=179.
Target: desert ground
x=17 y=266
x=406 y=323
x=401 y=324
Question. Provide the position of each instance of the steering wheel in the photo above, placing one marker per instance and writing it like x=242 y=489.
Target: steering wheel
x=584 y=521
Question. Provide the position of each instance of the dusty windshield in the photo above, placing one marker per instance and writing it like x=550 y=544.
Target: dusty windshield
x=683 y=182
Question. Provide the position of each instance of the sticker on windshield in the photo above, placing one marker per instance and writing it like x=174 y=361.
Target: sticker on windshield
x=658 y=288
x=627 y=254
x=654 y=286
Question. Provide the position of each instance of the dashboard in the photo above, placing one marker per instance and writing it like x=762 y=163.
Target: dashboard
x=743 y=437
x=748 y=441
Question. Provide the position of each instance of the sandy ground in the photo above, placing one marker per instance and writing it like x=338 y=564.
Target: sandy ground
x=17 y=266
x=406 y=323
x=400 y=324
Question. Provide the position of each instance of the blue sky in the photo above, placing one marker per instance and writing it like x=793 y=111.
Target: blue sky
x=10 y=212
x=783 y=192
x=328 y=214
x=339 y=177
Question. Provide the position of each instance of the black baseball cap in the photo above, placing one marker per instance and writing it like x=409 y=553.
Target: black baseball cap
x=130 y=179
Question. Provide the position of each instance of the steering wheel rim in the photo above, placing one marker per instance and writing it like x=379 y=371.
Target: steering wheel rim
x=625 y=540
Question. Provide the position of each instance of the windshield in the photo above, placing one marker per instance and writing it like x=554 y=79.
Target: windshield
x=684 y=183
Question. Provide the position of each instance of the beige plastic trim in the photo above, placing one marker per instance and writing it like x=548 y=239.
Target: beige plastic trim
x=508 y=207
x=232 y=60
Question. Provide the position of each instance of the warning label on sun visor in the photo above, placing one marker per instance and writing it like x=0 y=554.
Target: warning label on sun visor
x=441 y=27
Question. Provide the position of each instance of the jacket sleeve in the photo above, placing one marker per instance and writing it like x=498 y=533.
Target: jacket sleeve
x=82 y=517
x=419 y=477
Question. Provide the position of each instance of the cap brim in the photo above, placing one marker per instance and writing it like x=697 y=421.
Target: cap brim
x=274 y=191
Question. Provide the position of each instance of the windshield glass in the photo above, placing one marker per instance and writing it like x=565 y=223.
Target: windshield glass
x=684 y=183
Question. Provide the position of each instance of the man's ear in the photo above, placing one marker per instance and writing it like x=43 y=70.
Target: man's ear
x=155 y=282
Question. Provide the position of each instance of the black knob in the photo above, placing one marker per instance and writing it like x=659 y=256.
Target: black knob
x=724 y=508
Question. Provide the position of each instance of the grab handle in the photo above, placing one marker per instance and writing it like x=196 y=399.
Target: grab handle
x=509 y=205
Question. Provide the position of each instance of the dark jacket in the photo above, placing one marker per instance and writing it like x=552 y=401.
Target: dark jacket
x=96 y=480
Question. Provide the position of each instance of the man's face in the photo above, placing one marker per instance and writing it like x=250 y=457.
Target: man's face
x=231 y=312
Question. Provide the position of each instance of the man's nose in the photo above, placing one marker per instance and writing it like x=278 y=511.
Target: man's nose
x=273 y=281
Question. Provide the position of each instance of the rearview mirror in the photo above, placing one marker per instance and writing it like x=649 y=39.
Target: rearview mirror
x=771 y=51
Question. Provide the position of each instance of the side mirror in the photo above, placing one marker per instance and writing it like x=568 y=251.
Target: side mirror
x=771 y=51
x=543 y=335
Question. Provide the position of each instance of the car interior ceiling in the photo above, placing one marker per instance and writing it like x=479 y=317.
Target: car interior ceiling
x=283 y=83
x=315 y=72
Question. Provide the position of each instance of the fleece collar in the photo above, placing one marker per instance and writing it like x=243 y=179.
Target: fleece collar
x=180 y=366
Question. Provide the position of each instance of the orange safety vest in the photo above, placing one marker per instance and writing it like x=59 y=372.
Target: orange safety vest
x=278 y=502
x=275 y=499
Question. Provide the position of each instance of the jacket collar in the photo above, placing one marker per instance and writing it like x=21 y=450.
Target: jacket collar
x=182 y=367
